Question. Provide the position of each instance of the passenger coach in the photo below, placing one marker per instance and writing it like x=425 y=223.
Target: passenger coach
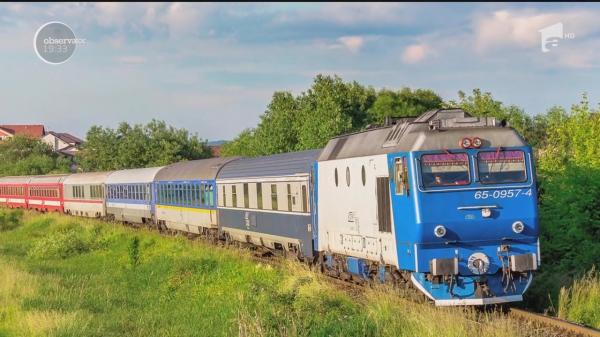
x=186 y=198
x=84 y=194
x=13 y=191
x=130 y=195
x=266 y=201
x=45 y=193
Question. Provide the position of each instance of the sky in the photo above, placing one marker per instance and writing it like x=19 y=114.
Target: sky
x=212 y=68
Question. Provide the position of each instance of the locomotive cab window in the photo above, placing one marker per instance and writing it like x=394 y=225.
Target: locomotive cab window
x=499 y=167
x=445 y=169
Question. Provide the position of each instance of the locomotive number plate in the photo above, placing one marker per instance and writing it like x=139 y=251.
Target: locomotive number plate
x=502 y=194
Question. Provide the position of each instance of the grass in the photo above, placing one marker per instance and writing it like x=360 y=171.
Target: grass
x=65 y=276
x=581 y=301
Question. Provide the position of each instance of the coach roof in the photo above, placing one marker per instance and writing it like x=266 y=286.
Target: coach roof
x=49 y=179
x=134 y=176
x=284 y=164
x=194 y=169
x=87 y=178
x=14 y=180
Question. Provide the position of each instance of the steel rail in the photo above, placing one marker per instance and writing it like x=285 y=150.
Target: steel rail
x=573 y=328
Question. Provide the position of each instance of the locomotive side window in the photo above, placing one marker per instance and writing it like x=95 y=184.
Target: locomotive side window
x=348 y=176
x=335 y=174
x=363 y=175
x=445 y=169
x=498 y=167
x=400 y=175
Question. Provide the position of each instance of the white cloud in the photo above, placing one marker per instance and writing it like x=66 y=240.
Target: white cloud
x=519 y=28
x=415 y=53
x=352 y=43
x=185 y=18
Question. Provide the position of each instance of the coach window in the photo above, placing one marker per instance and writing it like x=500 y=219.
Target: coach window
x=199 y=194
x=246 y=196
x=274 y=205
x=195 y=198
x=207 y=195
x=304 y=199
x=259 y=200
x=233 y=196
x=201 y=189
x=211 y=195
x=183 y=194
x=289 y=197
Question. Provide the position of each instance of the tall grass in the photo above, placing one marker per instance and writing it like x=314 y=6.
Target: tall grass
x=581 y=301
x=108 y=280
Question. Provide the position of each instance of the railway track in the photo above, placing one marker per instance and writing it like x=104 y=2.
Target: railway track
x=564 y=328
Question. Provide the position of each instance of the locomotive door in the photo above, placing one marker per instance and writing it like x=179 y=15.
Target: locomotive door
x=402 y=210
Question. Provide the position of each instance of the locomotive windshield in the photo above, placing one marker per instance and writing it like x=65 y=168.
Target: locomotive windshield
x=445 y=169
x=499 y=167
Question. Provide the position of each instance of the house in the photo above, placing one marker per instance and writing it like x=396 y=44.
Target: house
x=33 y=131
x=63 y=143
x=215 y=147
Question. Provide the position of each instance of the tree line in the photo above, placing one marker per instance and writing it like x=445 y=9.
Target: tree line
x=331 y=107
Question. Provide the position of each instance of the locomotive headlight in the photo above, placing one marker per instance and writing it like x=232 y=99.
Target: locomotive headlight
x=518 y=227
x=466 y=143
x=439 y=231
x=486 y=212
x=477 y=142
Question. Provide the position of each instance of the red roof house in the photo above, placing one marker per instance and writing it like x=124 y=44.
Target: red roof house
x=33 y=131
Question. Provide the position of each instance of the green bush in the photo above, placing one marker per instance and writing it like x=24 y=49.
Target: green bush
x=10 y=220
x=581 y=302
x=66 y=241
x=134 y=251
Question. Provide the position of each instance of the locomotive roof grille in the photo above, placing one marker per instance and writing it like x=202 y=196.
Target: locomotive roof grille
x=433 y=130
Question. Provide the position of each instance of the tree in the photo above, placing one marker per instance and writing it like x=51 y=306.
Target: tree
x=484 y=104
x=29 y=156
x=154 y=144
x=403 y=103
